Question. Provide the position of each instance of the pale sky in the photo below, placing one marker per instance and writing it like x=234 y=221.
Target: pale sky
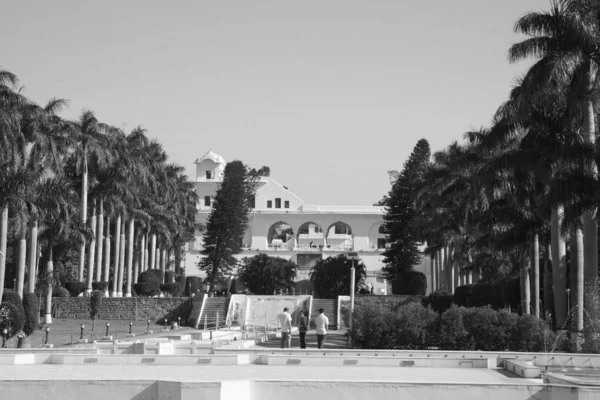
x=330 y=94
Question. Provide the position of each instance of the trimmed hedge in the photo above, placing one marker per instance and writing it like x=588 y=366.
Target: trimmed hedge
x=193 y=284
x=75 y=288
x=14 y=299
x=59 y=291
x=173 y=289
x=156 y=272
x=11 y=319
x=462 y=295
x=101 y=286
x=486 y=294
x=148 y=284
x=439 y=301
x=30 y=306
x=410 y=283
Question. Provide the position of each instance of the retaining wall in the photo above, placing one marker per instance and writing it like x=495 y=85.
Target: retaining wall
x=123 y=308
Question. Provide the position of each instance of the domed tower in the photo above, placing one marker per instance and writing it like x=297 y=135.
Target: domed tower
x=210 y=167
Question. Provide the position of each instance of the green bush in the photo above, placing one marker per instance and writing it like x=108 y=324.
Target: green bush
x=11 y=319
x=415 y=326
x=101 y=286
x=453 y=334
x=156 y=272
x=193 y=284
x=535 y=335
x=75 y=288
x=410 y=283
x=487 y=331
x=440 y=301
x=173 y=289
x=148 y=284
x=14 y=299
x=31 y=313
x=59 y=291
x=485 y=294
x=462 y=295
x=373 y=327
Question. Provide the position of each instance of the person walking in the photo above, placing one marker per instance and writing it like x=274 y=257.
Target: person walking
x=321 y=322
x=285 y=322
x=303 y=328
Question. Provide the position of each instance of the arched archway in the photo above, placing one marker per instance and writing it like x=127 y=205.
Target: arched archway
x=377 y=237
x=339 y=237
x=280 y=236
x=310 y=236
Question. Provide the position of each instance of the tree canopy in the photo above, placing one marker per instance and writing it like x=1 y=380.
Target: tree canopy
x=263 y=274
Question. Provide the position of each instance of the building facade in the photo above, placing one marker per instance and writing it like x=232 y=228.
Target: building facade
x=283 y=226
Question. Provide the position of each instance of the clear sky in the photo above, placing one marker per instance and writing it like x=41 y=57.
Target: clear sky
x=330 y=94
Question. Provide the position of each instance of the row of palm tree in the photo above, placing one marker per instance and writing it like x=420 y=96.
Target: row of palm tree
x=87 y=185
x=528 y=184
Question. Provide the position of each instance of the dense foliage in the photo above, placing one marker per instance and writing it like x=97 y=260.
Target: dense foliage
x=11 y=319
x=331 y=276
x=263 y=274
x=227 y=222
x=148 y=284
x=410 y=283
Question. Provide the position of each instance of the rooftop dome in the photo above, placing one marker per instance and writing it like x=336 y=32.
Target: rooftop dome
x=211 y=156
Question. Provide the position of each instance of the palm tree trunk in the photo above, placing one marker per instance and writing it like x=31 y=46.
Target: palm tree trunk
x=525 y=285
x=137 y=259
x=121 y=259
x=157 y=255
x=99 y=238
x=50 y=278
x=130 y=256
x=548 y=295
x=106 y=276
x=153 y=252
x=559 y=268
x=115 y=291
x=577 y=275
x=535 y=275
x=142 y=254
x=433 y=272
x=450 y=269
x=33 y=255
x=22 y=263
x=3 y=238
x=84 y=193
x=163 y=257
x=145 y=263
x=92 y=254
x=444 y=264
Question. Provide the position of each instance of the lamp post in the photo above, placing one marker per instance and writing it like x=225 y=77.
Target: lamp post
x=351 y=256
x=130 y=326
x=148 y=328
x=4 y=335
x=81 y=335
x=107 y=327
x=568 y=301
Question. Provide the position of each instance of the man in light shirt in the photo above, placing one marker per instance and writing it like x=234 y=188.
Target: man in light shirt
x=285 y=322
x=321 y=323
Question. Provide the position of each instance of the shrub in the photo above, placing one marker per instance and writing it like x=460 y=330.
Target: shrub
x=415 y=326
x=101 y=286
x=510 y=292
x=173 y=289
x=14 y=299
x=410 y=283
x=32 y=316
x=11 y=319
x=452 y=332
x=75 y=288
x=485 y=329
x=59 y=291
x=486 y=294
x=156 y=272
x=373 y=327
x=148 y=284
x=169 y=277
x=462 y=295
x=193 y=284
x=440 y=301
x=534 y=335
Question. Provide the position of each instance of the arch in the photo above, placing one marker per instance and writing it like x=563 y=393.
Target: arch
x=375 y=236
x=339 y=237
x=304 y=228
x=280 y=230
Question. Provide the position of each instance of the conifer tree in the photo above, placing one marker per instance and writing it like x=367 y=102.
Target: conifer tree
x=400 y=220
x=227 y=222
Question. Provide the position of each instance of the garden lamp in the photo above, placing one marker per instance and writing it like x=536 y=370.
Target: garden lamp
x=4 y=335
x=107 y=327
x=130 y=326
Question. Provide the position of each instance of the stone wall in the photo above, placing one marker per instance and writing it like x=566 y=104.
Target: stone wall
x=123 y=308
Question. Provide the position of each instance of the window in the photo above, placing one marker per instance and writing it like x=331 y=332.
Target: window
x=286 y=204
x=207 y=201
x=318 y=229
x=208 y=174
x=381 y=243
x=269 y=204
x=278 y=203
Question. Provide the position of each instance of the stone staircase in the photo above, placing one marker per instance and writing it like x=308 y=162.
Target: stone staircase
x=214 y=306
x=330 y=307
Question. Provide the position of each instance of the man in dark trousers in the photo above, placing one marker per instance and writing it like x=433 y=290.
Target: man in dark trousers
x=303 y=328
x=321 y=323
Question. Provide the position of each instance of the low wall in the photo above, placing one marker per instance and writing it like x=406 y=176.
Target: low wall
x=123 y=308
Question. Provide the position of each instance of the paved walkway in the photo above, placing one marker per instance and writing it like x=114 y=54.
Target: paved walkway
x=334 y=340
x=216 y=373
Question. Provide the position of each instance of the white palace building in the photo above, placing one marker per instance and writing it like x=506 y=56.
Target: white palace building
x=282 y=225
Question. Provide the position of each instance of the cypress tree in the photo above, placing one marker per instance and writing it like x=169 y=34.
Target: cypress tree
x=227 y=222
x=400 y=220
